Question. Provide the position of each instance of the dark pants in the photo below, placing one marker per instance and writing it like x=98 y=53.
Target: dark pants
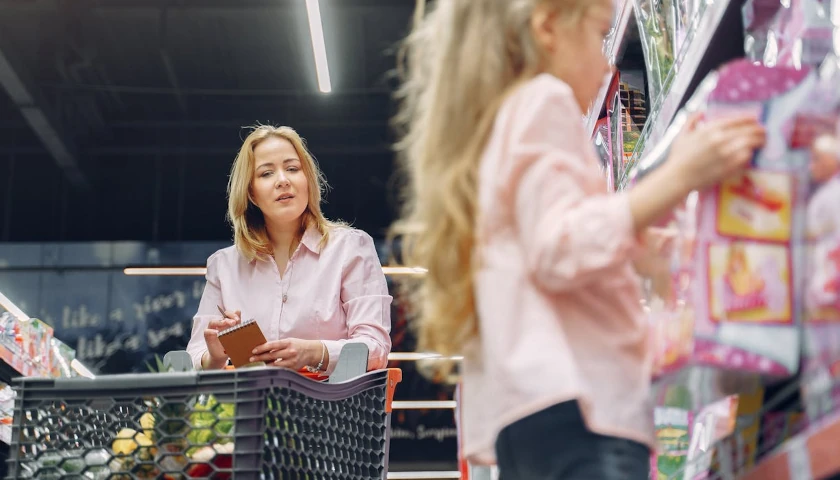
x=554 y=444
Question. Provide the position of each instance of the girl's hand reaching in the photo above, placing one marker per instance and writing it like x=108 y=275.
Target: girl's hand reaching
x=708 y=152
x=701 y=156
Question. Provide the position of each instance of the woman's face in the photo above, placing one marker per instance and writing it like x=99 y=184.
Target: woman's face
x=279 y=187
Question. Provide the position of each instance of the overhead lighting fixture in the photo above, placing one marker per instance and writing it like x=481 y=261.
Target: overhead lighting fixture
x=316 y=33
x=200 y=271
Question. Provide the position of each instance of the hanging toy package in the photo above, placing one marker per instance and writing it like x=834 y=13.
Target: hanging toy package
x=665 y=300
x=821 y=346
x=667 y=294
x=805 y=31
x=759 y=16
x=750 y=231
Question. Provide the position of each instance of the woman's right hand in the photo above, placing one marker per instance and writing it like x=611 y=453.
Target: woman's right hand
x=216 y=358
x=708 y=152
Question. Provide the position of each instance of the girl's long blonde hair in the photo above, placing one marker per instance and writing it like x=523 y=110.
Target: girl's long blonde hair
x=457 y=65
x=249 y=232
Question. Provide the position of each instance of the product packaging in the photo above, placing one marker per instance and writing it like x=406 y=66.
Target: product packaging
x=750 y=231
x=673 y=435
x=601 y=140
x=821 y=346
x=805 y=33
x=661 y=28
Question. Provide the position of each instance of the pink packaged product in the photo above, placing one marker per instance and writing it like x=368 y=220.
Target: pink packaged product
x=801 y=34
x=750 y=231
x=671 y=316
x=821 y=346
x=758 y=18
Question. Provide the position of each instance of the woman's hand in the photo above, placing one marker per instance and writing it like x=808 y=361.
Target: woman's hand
x=216 y=358
x=292 y=353
x=706 y=153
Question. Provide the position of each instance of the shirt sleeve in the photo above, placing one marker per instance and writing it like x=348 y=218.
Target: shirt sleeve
x=570 y=231
x=207 y=310
x=366 y=302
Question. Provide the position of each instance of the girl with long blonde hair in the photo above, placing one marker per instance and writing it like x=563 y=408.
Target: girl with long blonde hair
x=530 y=262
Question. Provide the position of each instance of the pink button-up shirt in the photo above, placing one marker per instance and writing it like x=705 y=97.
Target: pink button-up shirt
x=558 y=302
x=336 y=293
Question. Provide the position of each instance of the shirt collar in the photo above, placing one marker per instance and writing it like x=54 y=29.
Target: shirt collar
x=312 y=239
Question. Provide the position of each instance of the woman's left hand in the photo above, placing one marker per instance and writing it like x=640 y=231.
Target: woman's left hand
x=292 y=353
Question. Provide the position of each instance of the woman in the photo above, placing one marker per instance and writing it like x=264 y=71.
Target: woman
x=311 y=284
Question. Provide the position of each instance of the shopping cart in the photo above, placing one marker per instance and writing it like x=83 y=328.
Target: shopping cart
x=259 y=423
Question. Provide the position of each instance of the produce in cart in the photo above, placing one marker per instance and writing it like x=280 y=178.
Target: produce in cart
x=179 y=439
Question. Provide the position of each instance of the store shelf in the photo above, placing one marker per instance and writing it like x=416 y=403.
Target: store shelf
x=811 y=454
x=716 y=37
x=613 y=49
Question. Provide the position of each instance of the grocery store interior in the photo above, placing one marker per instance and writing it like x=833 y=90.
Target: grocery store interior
x=119 y=123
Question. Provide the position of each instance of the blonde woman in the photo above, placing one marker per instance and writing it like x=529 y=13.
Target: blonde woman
x=311 y=284
x=529 y=262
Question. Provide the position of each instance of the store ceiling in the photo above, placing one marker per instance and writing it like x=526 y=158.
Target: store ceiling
x=120 y=118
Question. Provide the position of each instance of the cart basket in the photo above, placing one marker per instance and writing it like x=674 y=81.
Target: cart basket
x=260 y=423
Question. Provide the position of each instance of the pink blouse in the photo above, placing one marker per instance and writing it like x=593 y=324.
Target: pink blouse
x=337 y=294
x=558 y=302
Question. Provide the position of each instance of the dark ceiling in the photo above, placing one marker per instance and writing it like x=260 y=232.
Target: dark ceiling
x=119 y=119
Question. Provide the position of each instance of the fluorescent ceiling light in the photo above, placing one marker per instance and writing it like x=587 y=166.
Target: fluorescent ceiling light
x=186 y=271
x=316 y=32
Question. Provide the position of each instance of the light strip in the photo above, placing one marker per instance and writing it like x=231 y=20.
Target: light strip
x=186 y=271
x=316 y=32
x=424 y=405
x=12 y=308
x=417 y=271
x=415 y=356
x=422 y=475
x=165 y=271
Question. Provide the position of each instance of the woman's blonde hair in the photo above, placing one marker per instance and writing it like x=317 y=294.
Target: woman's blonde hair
x=249 y=232
x=457 y=65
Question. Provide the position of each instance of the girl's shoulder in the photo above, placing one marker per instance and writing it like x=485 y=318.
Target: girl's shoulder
x=541 y=87
x=542 y=102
